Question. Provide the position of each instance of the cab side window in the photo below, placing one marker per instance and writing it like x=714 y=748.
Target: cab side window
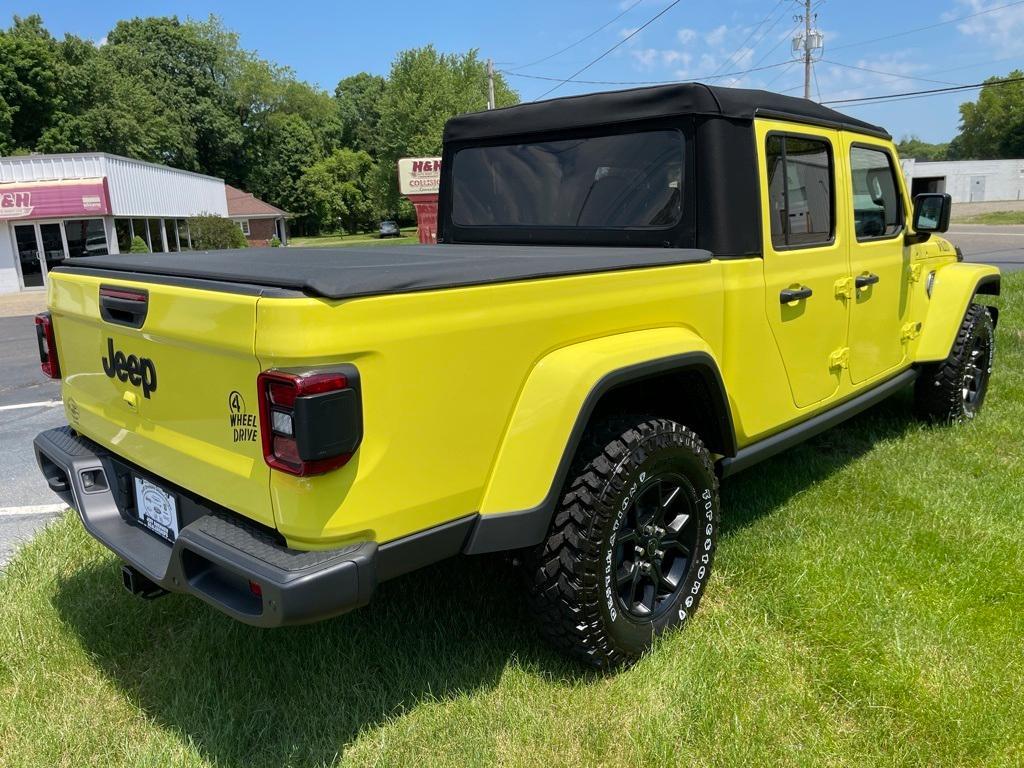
x=877 y=204
x=801 y=180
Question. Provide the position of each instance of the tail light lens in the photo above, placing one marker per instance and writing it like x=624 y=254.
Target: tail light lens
x=47 y=345
x=311 y=423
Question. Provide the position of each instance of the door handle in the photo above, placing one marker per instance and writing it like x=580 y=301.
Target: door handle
x=788 y=295
x=863 y=281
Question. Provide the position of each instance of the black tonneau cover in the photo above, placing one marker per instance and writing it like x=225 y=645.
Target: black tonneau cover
x=343 y=273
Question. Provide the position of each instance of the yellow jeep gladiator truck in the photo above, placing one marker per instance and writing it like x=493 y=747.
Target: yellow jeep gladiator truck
x=634 y=295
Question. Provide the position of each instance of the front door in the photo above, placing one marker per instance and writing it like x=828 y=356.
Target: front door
x=805 y=256
x=977 y=189
x=879 y=263
x=40 y=247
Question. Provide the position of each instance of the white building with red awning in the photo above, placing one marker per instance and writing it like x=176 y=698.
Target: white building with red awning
x=72 y=206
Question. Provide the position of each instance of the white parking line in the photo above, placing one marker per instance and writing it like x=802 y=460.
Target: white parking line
x=40 y=404
x=38 y=509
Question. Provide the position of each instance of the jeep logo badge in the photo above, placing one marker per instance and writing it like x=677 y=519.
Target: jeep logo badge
x=137 y=371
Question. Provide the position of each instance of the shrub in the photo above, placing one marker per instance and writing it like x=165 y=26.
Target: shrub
x=275 y=242
x=139 y=245
x=212 y=233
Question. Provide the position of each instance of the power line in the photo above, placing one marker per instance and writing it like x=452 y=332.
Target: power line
x=789 y=66
x=929 y=26
x=931 y=92
x=632 y=34
x=762 y=37
x=888 y=74
x=645 y=82
x=739 y=48
x=582 y=39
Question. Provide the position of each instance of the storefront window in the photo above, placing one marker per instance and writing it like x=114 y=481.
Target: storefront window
x=156 y=241
x=123 y=228
x=139 y=229
x=183 y=239
x=86 y=237
x=172 y=235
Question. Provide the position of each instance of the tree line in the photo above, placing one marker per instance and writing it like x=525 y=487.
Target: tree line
x=185 y=94
x=991 y=128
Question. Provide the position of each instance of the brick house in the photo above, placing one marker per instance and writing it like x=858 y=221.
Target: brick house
x=259 y=221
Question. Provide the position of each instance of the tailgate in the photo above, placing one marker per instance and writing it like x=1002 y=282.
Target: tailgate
x=177 y=395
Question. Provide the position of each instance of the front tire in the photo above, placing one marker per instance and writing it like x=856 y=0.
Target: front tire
x=631 y=545
x=954 y=390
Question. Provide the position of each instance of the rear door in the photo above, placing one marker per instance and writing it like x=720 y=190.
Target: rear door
x=879 y=262
x=805 y=255
x=165 y=377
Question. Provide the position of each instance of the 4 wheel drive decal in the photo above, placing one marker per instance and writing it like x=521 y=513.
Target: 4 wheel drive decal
x=244 y=425
x=134 y=370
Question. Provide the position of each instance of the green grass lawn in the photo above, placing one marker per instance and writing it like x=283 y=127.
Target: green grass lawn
x=993 y=217
x=867 y=609
x=337 y=241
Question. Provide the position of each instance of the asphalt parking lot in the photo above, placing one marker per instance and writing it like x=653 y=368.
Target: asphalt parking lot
x=30 y=403
x=1001 y=245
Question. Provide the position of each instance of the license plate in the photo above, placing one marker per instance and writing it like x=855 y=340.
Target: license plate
x=157 y=509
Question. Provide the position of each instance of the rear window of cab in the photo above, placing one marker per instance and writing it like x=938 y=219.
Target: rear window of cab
x=621 y=181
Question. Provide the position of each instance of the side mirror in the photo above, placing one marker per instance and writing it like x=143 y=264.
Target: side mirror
x=931 y=212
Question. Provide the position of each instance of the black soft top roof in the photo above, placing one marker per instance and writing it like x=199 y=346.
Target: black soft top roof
x=645 y=104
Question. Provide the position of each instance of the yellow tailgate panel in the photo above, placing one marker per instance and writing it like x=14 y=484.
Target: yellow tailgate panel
x=201 y=344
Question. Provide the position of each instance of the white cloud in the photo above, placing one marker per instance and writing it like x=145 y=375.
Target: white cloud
x=717 y=35
x=1001 y=32
x=646 y=56
x=670 y=58
x=686 y=36
x=101 y=42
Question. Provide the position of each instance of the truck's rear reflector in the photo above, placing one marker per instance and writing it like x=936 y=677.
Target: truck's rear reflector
x=311 y=422
x=48 y=361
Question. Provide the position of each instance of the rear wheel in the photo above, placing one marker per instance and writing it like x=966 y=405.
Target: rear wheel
x=631 y=545
x=954 y=390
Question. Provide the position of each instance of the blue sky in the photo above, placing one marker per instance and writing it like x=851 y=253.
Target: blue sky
x=324 y=41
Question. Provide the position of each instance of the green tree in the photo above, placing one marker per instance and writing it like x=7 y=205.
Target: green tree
x=336 y=189
x=279 y=156
x=107 y=107
x=29 y=79
x=213 y=233
x=187 y=65
x=993 y=126
x=425 y=88
x=359 y=101
x=912 y=146
x=139 y=245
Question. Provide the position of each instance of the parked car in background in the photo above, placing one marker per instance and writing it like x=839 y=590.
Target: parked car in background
x=390 y=229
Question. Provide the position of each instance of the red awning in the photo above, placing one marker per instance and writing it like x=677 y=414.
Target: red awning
x=54 y=199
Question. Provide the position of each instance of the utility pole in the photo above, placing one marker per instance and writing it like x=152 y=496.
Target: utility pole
x=807 y=44
x=490 y=84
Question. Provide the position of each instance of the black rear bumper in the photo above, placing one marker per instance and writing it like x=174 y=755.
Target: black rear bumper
x=216 y=555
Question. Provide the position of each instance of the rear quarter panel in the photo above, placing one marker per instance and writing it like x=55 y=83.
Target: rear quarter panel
x=441 y=373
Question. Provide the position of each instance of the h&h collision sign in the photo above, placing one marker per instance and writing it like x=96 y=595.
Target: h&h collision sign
x=419 y=175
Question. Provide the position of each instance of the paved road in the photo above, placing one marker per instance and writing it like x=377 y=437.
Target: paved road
x=26 y=398
x=1002 y=246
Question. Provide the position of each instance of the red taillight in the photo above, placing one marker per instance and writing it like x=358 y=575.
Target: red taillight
x=47 y=345
x=293 y=418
